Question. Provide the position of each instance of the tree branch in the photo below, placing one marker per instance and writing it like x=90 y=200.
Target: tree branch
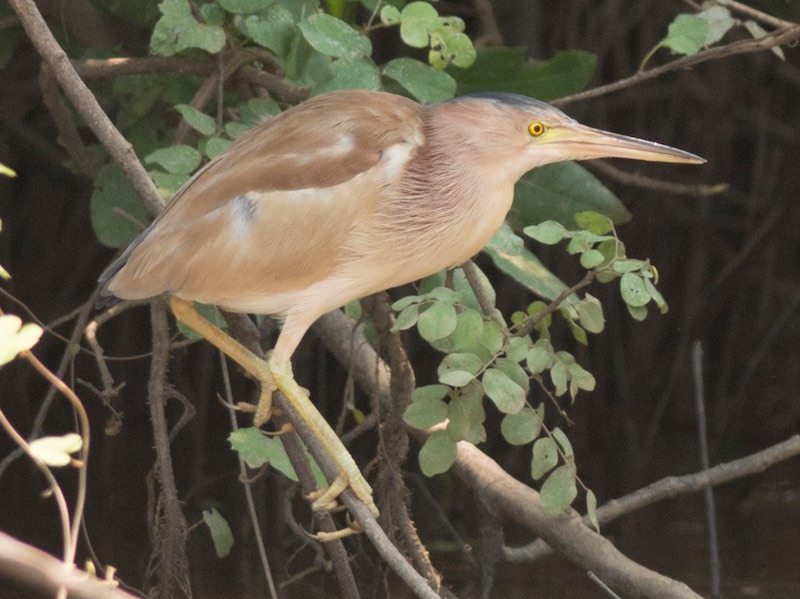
x=35 y=568
x=776 y=38
x=673 y=486
x=512 y=499
x=85 y=103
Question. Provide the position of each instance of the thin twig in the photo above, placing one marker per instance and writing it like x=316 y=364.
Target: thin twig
x=708 y=493
x=531 y=323
x=248 y=492
x=83 y=428
x=755 y=14
x=644 y=182
x=776 y=38
x=673 y=486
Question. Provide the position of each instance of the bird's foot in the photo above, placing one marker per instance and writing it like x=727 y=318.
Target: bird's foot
x=353 y=528
x=349 y=474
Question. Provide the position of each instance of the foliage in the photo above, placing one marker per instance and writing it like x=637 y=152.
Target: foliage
x=485 y=357
x=690 y=33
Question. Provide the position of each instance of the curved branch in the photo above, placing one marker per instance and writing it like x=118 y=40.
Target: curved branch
x=27 y=564
x=513 y=500
x=776 y=38
x=673 y=486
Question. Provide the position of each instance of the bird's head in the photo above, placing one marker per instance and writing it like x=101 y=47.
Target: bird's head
x=520 y=131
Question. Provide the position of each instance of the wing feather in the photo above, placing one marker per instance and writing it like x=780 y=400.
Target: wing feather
x=273 y=212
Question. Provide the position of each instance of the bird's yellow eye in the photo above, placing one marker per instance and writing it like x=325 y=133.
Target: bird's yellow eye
x=536 y=128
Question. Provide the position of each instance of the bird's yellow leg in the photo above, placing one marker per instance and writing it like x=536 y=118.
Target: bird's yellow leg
x=275 y=375
x=349 y=473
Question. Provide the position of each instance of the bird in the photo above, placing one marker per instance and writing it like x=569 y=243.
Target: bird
x=346 y=194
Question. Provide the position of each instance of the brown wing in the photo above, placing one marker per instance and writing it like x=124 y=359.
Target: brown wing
x=273 y=212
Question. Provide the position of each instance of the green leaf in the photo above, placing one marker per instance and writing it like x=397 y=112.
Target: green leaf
x=406 y=301
x=637 y=312
x=245 y=6
x=513 y=371
x=180 y=159
x=333 y=37
x=459 y=369
x=624 y=265
x=429 y=392
x=757 y=31
x=178 y=30
x=563 y=441
x=597 y=223
x=493 y=338
x=656 y=296
x=468 y=332
x=521 y=428
x=257 y=449
x=417 y=20
x=633 y=290
x=273 y=29
x=437 y=322
x=407 y=318
x=390 y=15
x=545 y=457
x=539 y=357
x=507 y=395
x=221 y=534
x=54 y=451
x=590 y=314
x=214 y=146
x=346 y=73
x=466 y=414
x=167 y=183
x=559 y=490
x=455 y=46
x=558 y=192
x=686 y=35
x=591 y=509
x=437 y=454
x=559 y=376
x=549 y=232
x=423 y=82
x=500 y=68
x=719 y=22
x=506 y=241
x=116 y=212
x=199 y=121
x=591 y=258
x=527 y=270
x=424 y=413
x=517 y=348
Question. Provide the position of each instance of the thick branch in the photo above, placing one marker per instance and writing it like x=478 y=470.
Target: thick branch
x=33 y=567
x=512 y=499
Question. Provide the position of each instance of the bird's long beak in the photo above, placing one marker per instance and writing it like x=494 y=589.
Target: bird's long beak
x=587 y=142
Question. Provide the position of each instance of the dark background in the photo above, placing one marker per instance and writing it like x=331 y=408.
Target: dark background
x=728 y=266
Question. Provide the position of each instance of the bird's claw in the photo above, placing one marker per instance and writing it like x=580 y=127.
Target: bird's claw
x=325 y=500
x=353 y=528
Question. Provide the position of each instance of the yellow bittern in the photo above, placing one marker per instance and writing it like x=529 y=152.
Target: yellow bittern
x=347 y=194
